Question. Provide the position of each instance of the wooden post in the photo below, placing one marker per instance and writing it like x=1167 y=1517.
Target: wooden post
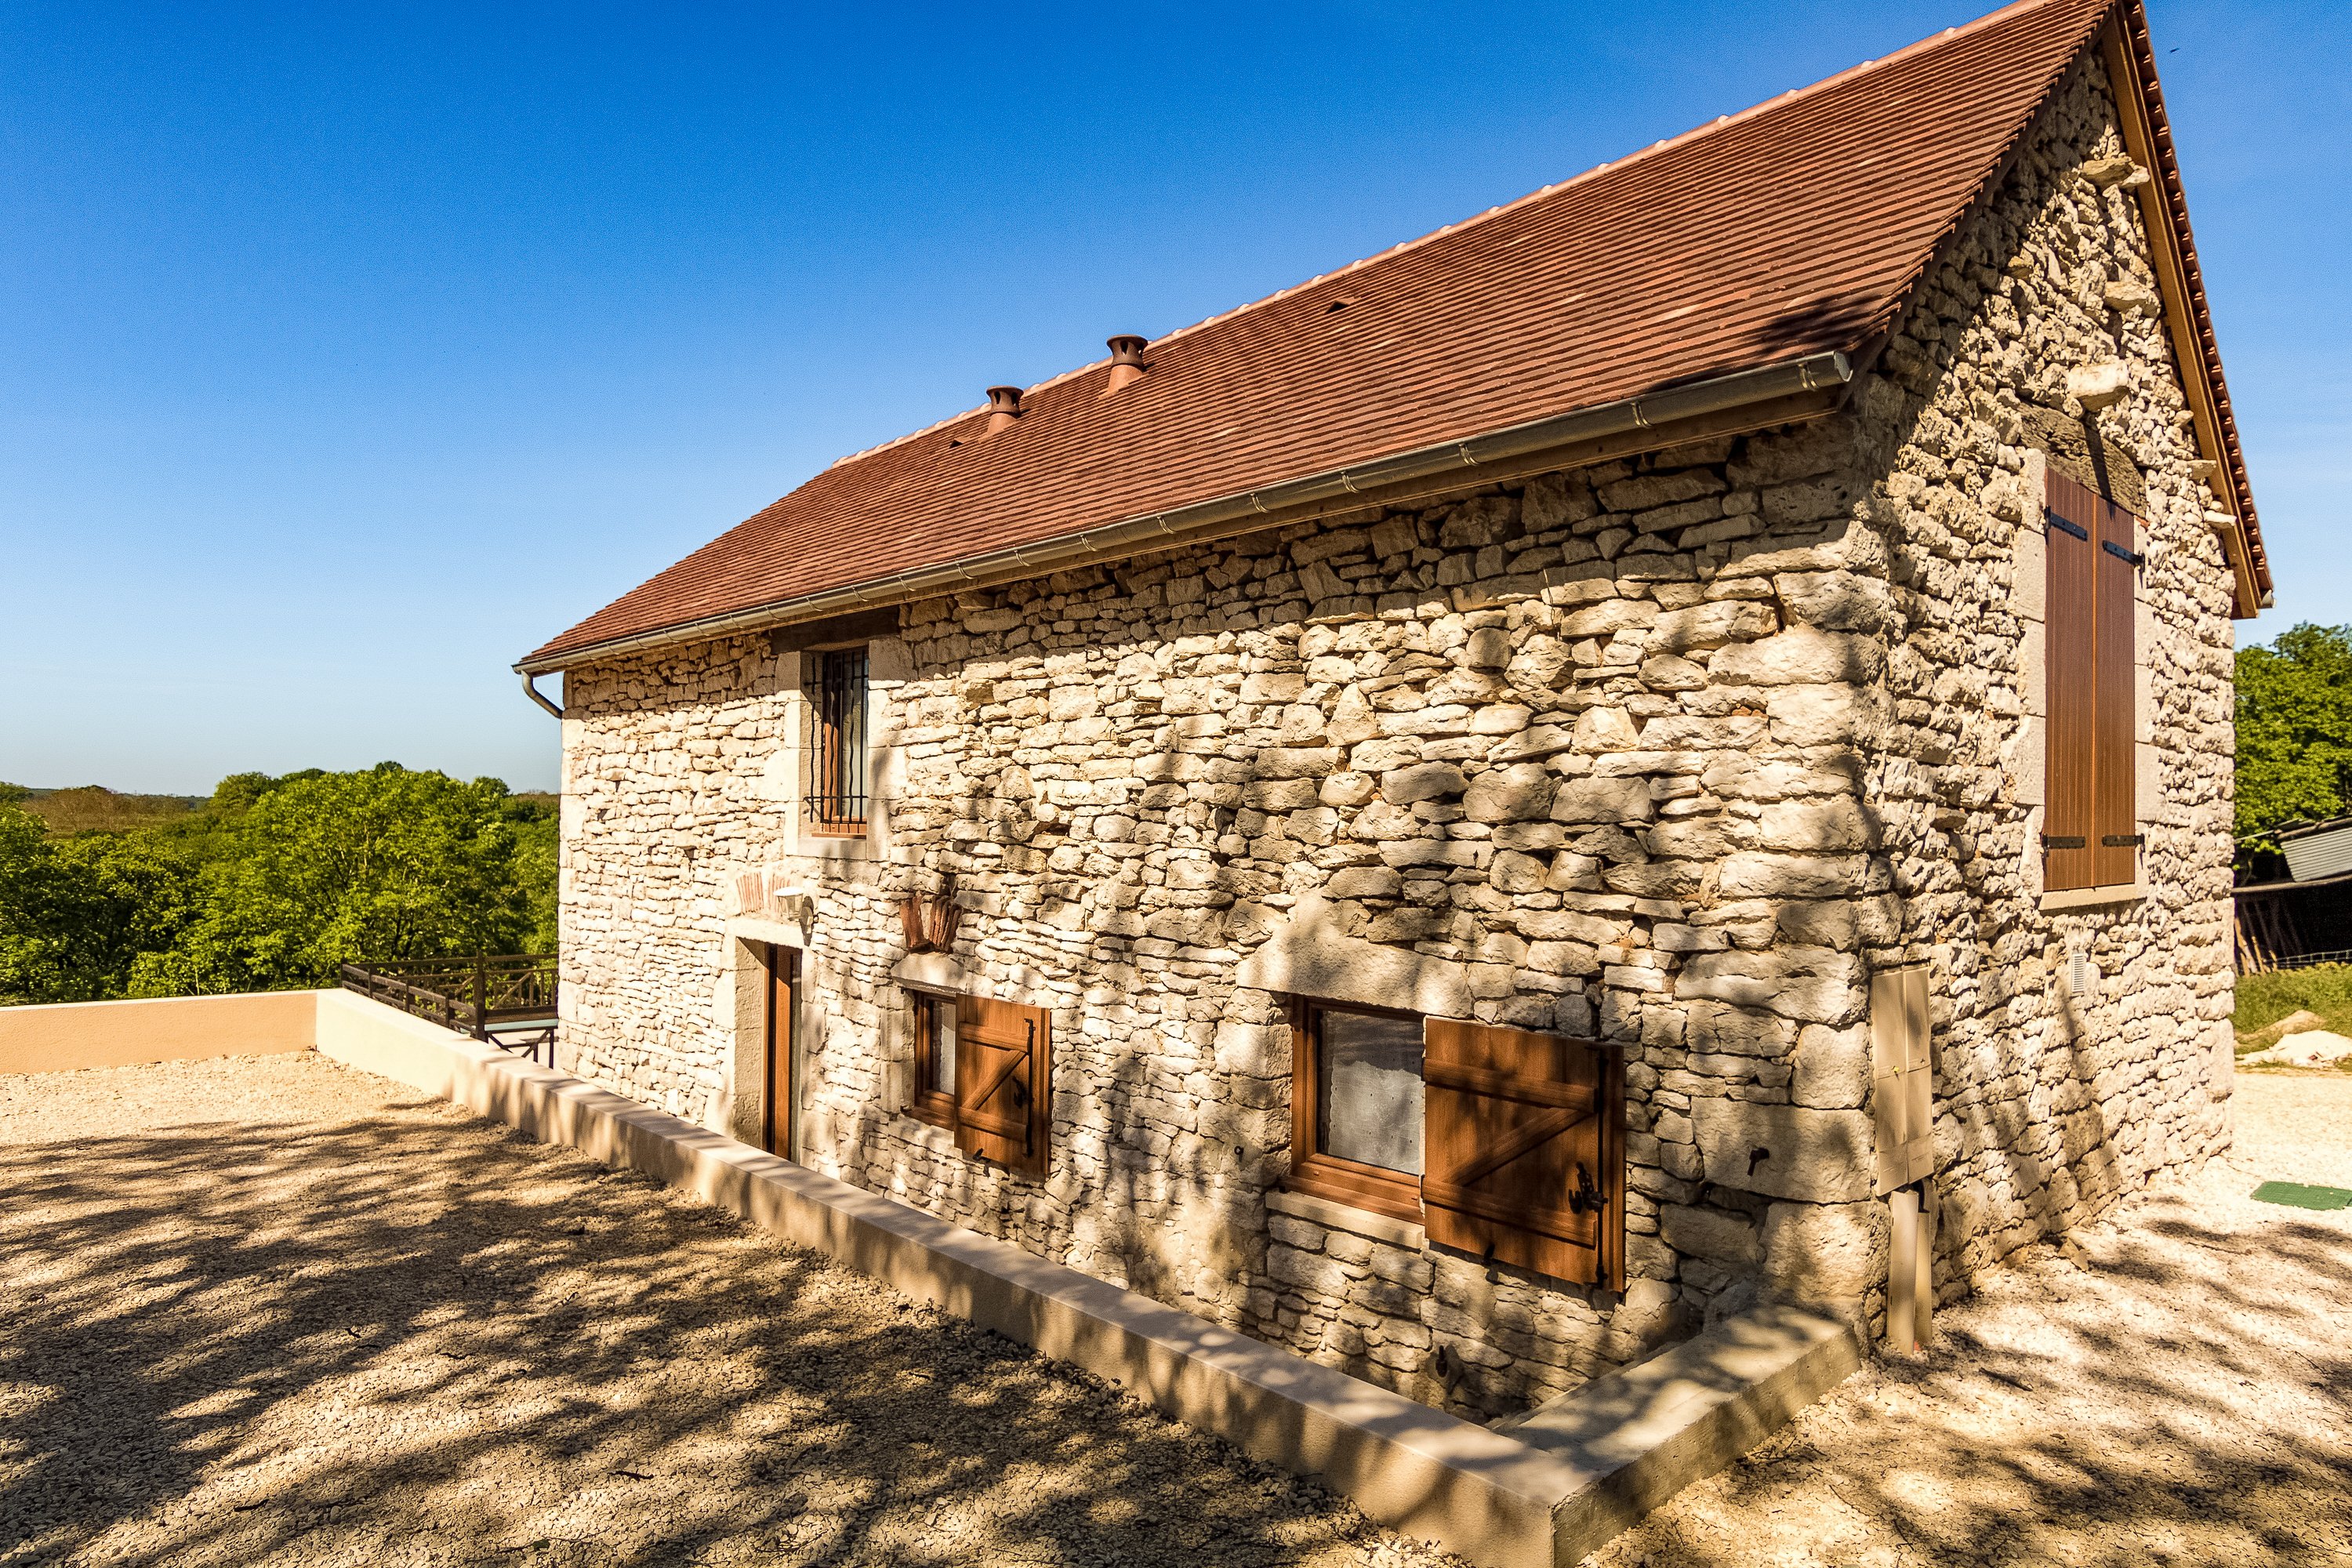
x=1903 y=1271
x=1923 y=1288
x=481 y=998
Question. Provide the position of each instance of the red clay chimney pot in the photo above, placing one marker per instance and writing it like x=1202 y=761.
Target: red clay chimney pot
x=1003 y=407
x=1127 y=365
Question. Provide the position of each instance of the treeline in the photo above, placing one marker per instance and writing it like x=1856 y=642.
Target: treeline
x=2295 y=736
x=272 y=884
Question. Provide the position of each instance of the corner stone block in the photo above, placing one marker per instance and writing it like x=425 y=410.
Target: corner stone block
x=1810 y=1156
x=1823 y=1253
x=1255 y=1050
x=1832 y=1068
x=1794 y=876
x=1825 y=715
x=1712 y=625
x=1719 y=1238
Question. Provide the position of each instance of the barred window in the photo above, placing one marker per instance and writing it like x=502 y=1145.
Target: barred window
x=837 y=798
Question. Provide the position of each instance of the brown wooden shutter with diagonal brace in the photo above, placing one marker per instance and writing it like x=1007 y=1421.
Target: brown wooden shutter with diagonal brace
x=1525 y=1150
x=1003 y=1086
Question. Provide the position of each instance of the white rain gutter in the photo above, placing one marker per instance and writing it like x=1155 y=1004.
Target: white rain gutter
x=1201 y=520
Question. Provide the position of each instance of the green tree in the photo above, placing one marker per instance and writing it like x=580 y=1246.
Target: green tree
x=28 y=940
x=336 y=867
x=274 y=883
x=75 y=912
x=2294 y=730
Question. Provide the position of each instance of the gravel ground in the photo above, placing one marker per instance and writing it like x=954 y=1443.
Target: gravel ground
x=2176 y=1388
x=270 y=1310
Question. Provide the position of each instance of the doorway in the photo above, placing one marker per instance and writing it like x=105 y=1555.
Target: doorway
x=777 y=1104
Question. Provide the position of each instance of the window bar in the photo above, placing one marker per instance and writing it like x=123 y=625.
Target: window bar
x=837 y=801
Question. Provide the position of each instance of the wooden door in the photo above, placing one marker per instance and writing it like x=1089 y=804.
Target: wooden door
x=1004 y=1081
x=776 y=1086
x=1525 y=1150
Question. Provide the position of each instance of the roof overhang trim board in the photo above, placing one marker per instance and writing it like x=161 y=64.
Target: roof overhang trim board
x=1746 y=400
x=2130 y=59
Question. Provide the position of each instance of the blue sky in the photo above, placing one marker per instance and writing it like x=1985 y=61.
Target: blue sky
x=346 y=352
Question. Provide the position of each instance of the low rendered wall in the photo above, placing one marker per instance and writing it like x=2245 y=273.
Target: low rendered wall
x=63 y=1037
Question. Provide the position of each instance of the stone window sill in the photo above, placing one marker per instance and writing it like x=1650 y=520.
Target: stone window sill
x=839 y=847
x=1355 y=1221
x=925 y=1135
x=2090 y=898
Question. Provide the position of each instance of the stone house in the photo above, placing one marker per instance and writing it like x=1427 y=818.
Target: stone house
x=1474 y=814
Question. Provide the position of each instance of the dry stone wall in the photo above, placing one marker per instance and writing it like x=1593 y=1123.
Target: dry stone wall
x=1671 y=751
x=2052 y=1103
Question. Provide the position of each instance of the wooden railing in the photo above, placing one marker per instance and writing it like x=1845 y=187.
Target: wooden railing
x=508 y=1000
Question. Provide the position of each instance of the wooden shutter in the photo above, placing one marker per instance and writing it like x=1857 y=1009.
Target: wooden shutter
x=1525 y=1150
x=2115 y=826
x=1003 y=1085
x=2071 y=657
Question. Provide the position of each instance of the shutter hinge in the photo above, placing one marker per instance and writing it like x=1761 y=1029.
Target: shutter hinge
x=2123 y=840
x=1586 y=1198
x=2120 y=553
x=2076 y=529
x=2064 y=841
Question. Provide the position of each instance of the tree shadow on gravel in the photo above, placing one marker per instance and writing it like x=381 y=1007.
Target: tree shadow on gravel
x=2160 y=1411
x=414 y=1339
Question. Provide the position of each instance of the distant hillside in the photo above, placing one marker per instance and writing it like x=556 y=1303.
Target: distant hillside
x=94 y=806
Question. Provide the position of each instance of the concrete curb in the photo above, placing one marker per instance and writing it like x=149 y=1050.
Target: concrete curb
x=1638 y=1436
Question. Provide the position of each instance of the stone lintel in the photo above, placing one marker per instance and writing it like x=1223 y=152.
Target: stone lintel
x=767 y=929
x=940 y=971
x=1309 y=957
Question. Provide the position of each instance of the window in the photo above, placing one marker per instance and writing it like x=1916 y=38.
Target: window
x=837 y=798
x=984 y=1071
x=934 y=1059
x=1357 y=1110
x=1502 y=1143
x=2090 y=832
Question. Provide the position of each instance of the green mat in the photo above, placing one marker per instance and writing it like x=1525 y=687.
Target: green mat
x=2297 y=1195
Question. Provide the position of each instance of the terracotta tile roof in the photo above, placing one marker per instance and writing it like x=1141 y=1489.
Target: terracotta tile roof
x=1794 y=229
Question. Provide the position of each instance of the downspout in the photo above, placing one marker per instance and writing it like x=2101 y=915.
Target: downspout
x=531 y=689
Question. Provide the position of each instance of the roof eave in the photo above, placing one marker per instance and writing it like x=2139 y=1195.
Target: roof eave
x=2130 y=58
x=1781 y=393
